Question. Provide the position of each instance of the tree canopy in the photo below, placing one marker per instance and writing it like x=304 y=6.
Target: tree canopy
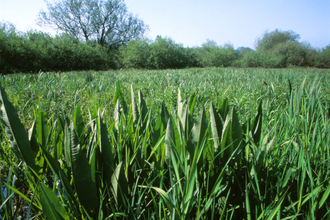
x=106 y=22
x=270 y=39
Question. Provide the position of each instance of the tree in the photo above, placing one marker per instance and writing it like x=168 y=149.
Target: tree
x=105 y=22
x=270 y=40
x=210 y=54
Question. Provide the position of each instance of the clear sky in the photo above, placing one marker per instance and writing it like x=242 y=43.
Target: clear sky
x=191 y=22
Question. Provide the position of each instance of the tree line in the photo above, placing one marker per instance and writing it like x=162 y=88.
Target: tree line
x=102 y=34
x=35 y=51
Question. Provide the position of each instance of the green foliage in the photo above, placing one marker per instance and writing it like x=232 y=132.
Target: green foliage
x=323 y=58
x=261 y=59
x=270 y=39
x=210 y=54
x=36 y=51
x=254 y=154
x=135 y=54
x=106 y=22
x=161 y=54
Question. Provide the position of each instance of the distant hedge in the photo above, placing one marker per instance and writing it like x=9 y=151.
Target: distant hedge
x=35 y=51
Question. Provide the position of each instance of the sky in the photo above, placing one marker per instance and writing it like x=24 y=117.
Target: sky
x=192 y=22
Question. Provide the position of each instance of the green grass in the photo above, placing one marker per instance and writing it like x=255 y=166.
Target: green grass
x=176 y=144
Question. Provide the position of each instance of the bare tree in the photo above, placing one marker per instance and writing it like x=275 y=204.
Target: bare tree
x=106 y=22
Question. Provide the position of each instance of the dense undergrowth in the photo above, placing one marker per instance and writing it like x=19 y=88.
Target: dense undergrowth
x=35 y=52
x=191 y=144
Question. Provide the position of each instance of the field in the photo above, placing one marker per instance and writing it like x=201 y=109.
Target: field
x=200 y=143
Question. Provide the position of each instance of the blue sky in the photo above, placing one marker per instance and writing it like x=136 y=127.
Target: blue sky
x=191 y=22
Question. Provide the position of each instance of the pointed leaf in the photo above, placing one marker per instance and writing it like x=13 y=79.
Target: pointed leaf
x=15 y=132
x=257 y=125
x=78 y=124
x=51 y=206
x=67 y=144
x=143 y=110
x=169 y=139
x=216 y=126
x=119 y=96
x=117 y=114
x=105 y=149
x=224 y=109
x=134 y=107
x=32 y=138
x=120 y=185
x=197 y=132
x=42 y=130
x=191 y=103
x=81 y=170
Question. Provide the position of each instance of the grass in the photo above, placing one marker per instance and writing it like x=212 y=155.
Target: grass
x=173 y=144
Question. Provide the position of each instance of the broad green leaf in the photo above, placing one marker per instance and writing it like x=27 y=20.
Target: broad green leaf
x=32 y=138
x=164 y=114
x=78 y=124
x=197 y=133
x=143 y=110
x=232 y=136
x=81 y=170
x=96 y=166
x=51 y=206
x=105 y=149
x=117 y=114
x=134 y=107
x=216 y=126
x=191 y=103
x=119 y=96
x=167 y=200
x=325 y=196
x=42 y=130
x=196 y=158
x=287 y=177
x=185 y=120
x=55 y=166
x=181 y=110
x=67 y=143
x=299 y=94
x=226 y=138
x=120 y=185
x=224 y=108
x=257 y=125
x=237 y=133
x=15 y=132
x=169 y=139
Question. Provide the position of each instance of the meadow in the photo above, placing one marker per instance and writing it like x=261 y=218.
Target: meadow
x=198 y=143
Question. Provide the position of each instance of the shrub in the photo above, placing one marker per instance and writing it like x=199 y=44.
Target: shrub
x=34 y=51
x=135 y=54
x=163 y=53
x=323 y=58
x=210 y=54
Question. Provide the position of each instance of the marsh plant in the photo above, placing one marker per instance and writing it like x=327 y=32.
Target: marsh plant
x=190 y=157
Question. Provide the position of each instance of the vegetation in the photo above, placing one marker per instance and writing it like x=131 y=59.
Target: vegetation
x=36 y=51
x=191 y=144
x=107 y=23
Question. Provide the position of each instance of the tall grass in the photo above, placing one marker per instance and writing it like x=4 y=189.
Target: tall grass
x=188 y=144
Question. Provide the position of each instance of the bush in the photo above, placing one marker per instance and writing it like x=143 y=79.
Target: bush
x=135 y=54
x=210 y=54
x=34 y=51
x=323 y=58
x=163 y=53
